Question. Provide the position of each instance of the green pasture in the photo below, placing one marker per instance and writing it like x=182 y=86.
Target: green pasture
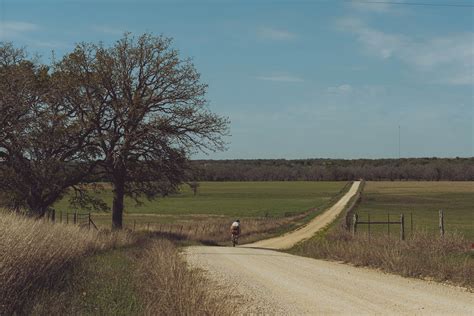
x=234 y=199
x=421 y=201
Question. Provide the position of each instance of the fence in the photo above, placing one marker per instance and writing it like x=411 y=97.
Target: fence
x=75 y=218
x=401 y=222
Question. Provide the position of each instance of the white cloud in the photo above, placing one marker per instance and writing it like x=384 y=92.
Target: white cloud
x=342 y=89
x=10 y=29
x=280 y=78
x=361 y=91
x=276 y=34
x=451 y=57
x=379 y=43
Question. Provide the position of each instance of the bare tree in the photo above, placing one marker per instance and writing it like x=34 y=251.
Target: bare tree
x=152 y=111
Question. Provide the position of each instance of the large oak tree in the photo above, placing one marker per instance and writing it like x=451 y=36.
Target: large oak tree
x=150 y=113
x=46 y=146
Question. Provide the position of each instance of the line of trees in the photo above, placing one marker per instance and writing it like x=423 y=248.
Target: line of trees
x=131 y=113
x=430 y=169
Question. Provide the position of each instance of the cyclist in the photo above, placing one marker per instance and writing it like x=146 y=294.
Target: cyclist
x=235 y=231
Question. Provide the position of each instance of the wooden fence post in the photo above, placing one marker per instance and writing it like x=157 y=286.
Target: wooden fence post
x=134 y=224
x=89 y=222
x=67 y=217
x=354 y=224
x=402 y=227
x=388 y=225
x=368 y=225
x=441 y=223
x=148 y=226
x=60 y=216
x=75 y=218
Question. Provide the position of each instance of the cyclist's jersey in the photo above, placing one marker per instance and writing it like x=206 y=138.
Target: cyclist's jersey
x=235 y=228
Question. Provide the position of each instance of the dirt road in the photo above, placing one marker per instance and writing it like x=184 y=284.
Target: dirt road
x=270 y=282
x=290 y=239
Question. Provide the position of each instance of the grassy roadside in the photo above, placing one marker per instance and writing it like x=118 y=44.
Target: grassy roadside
x=53 y=269
x=169 y=287
x=34 y=253
x=422 y=255
x=147 y=279
x=101 y=284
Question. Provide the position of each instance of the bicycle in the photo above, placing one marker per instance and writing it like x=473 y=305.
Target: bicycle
x=235 y=239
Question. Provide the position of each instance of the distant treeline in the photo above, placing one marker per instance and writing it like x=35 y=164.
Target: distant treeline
x=431 y=169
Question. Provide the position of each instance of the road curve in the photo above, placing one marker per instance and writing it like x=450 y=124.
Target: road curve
x=270 y=282
x=288 y=240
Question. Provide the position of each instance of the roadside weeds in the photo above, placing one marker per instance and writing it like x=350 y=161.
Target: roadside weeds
x=422 y=255
x=54 y=269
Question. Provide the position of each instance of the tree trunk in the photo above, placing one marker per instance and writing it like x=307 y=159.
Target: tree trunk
x=117 y=206
x=37 y=208
x=40 y=212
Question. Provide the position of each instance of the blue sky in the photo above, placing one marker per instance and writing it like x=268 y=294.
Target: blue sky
x=297 y=79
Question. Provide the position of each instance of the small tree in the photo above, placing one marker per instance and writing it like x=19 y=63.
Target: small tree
x=194 y=185
x=152 y=111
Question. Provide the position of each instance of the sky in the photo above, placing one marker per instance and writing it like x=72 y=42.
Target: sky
x=297 y=79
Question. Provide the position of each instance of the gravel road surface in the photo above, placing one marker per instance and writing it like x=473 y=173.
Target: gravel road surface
x=275 y=283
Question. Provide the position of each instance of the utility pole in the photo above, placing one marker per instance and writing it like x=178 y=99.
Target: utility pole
x=399 y=156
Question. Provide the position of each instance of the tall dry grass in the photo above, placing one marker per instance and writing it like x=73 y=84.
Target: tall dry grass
x=169 y=287
x=422 y=255
x=34 y=252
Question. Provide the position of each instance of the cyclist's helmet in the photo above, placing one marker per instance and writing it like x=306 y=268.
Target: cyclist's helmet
x=238 y=221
